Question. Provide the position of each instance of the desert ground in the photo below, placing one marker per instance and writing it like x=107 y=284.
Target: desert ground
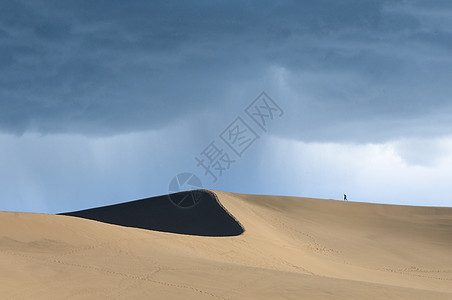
x=229 y=246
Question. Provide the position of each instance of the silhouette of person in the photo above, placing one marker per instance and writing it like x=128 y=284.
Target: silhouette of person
x=345 y=197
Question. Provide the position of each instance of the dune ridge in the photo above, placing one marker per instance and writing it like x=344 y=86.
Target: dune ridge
x=289 y=247
x=208 y=217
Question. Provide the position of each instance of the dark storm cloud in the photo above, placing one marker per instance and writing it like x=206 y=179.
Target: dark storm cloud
x=104 y=67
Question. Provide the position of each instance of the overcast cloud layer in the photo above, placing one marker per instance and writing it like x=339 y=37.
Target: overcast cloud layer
x=349 y=74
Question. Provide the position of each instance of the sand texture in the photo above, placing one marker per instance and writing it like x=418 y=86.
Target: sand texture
x=229 y=246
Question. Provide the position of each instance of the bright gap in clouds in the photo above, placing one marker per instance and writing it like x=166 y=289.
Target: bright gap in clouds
x=406 y=171
x=58 y=173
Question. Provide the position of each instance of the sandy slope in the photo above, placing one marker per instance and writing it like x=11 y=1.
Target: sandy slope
x=291 y=247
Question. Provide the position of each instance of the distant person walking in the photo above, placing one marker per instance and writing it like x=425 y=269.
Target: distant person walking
x=345 y=197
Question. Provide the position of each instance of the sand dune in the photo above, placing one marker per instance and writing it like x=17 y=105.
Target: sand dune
x=290 y=248
x=207 y=218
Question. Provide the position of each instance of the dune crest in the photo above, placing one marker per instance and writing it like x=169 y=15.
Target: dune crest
x=205 y=218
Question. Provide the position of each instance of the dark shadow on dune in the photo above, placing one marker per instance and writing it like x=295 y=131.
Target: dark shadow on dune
x=206 y=218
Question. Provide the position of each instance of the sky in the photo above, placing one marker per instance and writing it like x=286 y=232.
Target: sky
x=103 y=102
